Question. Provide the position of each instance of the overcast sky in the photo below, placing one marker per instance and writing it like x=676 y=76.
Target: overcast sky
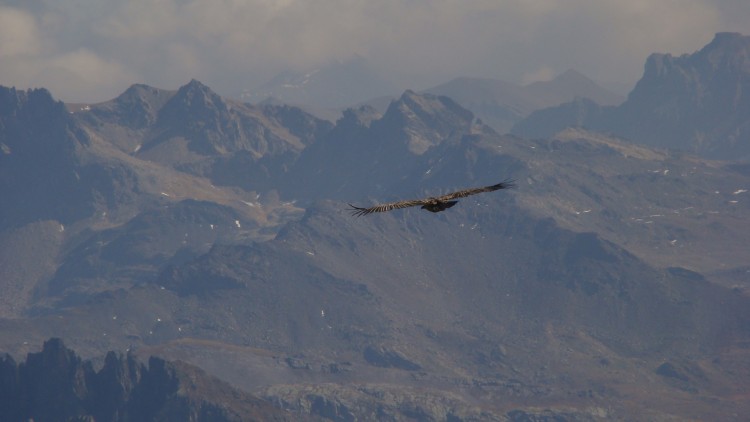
x=92 y=50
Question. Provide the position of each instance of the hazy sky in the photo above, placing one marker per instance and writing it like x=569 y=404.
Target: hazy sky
x=92 y=50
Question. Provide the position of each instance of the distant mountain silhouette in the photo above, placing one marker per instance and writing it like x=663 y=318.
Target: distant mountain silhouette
x=501 y=104
x=569 y=85
x=545 y=123
x=338 y=84
x=354 y=82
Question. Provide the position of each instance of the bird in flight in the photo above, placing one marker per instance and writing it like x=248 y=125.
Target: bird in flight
x=433 y=203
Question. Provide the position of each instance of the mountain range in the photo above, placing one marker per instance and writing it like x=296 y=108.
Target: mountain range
x=211 y=238
x=326 y=90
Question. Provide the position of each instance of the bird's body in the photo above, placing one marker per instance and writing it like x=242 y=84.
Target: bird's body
x=437 y=206
x=432 y=204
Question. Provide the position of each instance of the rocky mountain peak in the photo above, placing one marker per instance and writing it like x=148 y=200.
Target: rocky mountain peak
x=30 y=122
x=201 y=115
x=195 y=100
x=572 y=75
x=139 y=105
x=13 y=101
x=57 y=385
x=53 y=354
x=430 y=104
x=732 y=45
x=138 y=91
x=34 y=107
x=697 y=102
x=691 y=74
x=726 y=58
x=422 y=121
x=39 y=140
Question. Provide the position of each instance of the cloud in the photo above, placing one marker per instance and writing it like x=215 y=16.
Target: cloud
x=93 y=49
x=30 y=58
x=541 y=74
x=18 y=33
x=83 y=75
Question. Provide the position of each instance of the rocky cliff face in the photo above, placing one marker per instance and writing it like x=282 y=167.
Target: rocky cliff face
x=45 y=163
x=56 y=385
x=695 y=102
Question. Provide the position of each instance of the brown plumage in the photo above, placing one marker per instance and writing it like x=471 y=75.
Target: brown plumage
x=432 y=204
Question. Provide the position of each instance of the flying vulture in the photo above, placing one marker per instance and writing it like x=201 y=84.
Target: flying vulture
x=432 y=204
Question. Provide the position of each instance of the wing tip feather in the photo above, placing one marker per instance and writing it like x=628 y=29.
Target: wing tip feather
x=506 y=184
x=358 y=211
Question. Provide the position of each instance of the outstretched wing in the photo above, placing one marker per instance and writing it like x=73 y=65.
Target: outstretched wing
x=386 y=207
x=505 y=184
